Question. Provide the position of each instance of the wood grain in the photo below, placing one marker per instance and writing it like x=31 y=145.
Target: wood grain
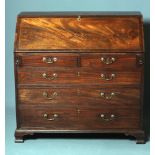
x=75 y=76
x=36 y=60
x=83 y=97
x=122 y=61
x=71 y=119
x=89 y=33
x=59 y=59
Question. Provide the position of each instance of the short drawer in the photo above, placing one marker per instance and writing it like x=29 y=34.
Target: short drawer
x=81 y=119
x=113 y=61
x=83 y=97
x=75 y=76
x=46 y=60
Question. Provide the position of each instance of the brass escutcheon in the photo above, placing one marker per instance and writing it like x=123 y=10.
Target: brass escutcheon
x=79 y=18
x=78 y=74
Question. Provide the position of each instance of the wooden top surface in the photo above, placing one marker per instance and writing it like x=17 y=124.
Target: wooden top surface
x=79 y=31
x=77 y=13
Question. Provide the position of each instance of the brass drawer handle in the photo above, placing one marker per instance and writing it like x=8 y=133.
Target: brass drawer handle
x=49 y=60
x=104 y=118
x=51 y=96
x=108 y=77
x=46 y=116
x=53 y=77
x=108 y=60
x=107 y=97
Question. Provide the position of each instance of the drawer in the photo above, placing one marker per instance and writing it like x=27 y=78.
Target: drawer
x=47 y=117
x=112 y=61
x=83 y=97
x=109 y=118
x=75 y=76
x=81 y=119
x=60 y=97
x=47 y=60
x=105 y=96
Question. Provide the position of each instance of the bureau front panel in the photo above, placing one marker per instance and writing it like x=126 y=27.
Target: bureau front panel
x=113 y=61
x=107 y=61
x=75 y=76
x=78 y=119
x=47 y=60
x=50 y=33
x=110 y=118
x=83 y=97
x=47 y=117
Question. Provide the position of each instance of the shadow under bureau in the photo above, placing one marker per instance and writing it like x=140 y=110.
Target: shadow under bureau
x=79 y=72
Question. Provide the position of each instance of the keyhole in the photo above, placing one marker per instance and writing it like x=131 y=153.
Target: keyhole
x=78 y=74
x=78 y=110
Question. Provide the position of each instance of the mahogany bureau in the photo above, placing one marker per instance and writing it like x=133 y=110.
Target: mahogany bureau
x=79 y=72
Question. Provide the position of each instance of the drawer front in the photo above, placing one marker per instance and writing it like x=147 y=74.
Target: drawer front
x=59 y=97
x=79 y=33
x=96 y=61
x=83 y=97
x=109 y=118
x=83 y=119
x=47 y=117
x=121 y=62
x=47 y=60
x=75 y=76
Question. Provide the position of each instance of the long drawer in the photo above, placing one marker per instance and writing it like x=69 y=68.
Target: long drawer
x=112 y=61
x=83 y=97
x=83 y=119
x=75 y=76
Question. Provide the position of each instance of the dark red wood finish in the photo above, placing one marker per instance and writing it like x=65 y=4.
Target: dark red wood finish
x=72 y=119
x=77 y=73
x=75 y=76
x=83 y=97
